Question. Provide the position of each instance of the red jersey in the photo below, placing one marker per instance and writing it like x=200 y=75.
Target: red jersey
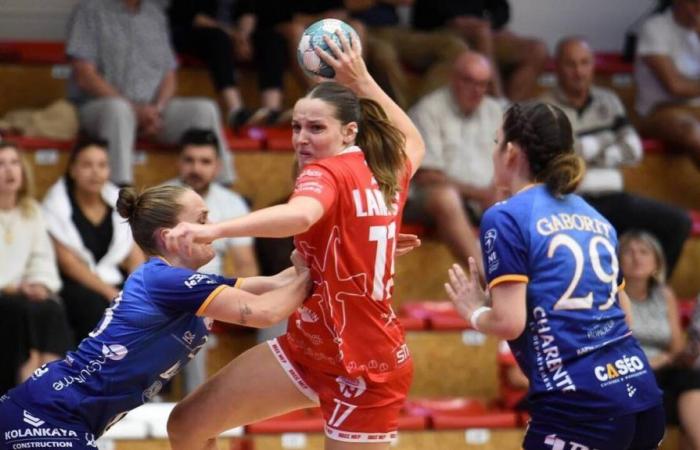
x=347 y=325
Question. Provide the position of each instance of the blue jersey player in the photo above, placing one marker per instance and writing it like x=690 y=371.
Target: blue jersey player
x=153 y=328
x=555 y=291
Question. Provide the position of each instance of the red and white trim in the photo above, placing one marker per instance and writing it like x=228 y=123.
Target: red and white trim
x=291 y=371
x=353 y=436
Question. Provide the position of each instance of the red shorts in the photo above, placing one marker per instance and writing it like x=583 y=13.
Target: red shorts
x=355 y=409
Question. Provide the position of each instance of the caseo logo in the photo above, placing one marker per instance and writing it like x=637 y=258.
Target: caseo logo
x=623 y=366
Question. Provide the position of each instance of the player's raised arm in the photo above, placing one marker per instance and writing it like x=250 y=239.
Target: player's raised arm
x=351 y=71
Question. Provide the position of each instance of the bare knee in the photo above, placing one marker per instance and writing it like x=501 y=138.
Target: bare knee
x=177 y=426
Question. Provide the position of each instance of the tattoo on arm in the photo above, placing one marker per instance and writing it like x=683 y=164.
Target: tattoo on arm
x=244 y=311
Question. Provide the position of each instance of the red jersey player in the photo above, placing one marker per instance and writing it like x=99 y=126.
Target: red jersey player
x=344 y=349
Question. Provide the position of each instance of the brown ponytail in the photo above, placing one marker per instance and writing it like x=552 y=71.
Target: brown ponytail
x=545 y=135
x=382 y=143
x=384 y=147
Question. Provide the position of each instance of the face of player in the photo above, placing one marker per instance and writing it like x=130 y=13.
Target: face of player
x=198 y=166
x=317 y=133
x=90 y=170
x=638 y=261
x=194 y=210
x=575 y=67
x=10 y=171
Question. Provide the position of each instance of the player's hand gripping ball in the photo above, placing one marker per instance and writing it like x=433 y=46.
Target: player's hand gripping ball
x=313 y=37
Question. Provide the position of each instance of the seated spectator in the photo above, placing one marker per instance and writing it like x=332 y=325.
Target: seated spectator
x=656 y=325
x=124 y=80
x=33 y=324
x=391 y=48
x=513 y=384
x=198 y=164
x=93 y=243
x=482 y=24
x=606 y=140
x=667 y=70
x=458 y=123
x=197 y=31
x=290 y=19
x=270 y=56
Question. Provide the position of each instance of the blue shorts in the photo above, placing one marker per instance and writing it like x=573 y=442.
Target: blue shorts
x=22 y=429
x=639 y=431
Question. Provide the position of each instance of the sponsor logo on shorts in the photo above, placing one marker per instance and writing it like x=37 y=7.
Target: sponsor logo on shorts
x=559 y=444
x=351 y=387
x=621 y=369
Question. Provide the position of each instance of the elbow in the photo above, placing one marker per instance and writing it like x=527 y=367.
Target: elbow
x=302 y=222
x=509 y=329
x=510 y=333
x=269 y=318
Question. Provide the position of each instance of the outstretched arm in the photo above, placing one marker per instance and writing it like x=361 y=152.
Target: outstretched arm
x=289 y=219
x=237 y=306
x=351 y=71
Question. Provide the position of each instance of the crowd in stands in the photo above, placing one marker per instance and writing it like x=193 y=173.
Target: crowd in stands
x=65 y=257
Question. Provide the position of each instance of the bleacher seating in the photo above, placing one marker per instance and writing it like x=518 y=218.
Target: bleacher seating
x=455 y=374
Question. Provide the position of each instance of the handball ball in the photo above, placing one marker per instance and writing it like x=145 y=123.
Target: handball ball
x=313 y=37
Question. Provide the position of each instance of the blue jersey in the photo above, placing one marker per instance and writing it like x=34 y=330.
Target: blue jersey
x=576 y=349
x=150 y=331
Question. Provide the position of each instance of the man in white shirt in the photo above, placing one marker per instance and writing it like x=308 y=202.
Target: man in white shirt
x=667 y=71
x=198 y=165
x=459 y=125
x=606 y=140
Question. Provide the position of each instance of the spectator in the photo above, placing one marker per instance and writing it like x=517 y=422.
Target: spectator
x=271 y=57
x=33 y=324
x=290 y=19
x=606 y=140
x=124 y=81
x=482 y=24
x=667 y=71
x=198 y=164
x=656 y=324
x=391 y=48
x=93 y=244
x=196 y=31
x=458 y=123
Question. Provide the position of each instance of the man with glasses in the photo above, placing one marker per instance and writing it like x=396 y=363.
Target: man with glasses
x=453 y=185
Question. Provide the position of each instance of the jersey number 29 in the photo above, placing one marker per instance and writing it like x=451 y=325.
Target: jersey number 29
x=566 y=301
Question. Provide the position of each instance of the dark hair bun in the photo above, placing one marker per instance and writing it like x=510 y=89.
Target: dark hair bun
x=126 y=203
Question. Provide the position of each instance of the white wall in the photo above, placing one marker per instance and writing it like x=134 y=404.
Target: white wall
x=603 y=21
x=34 y=19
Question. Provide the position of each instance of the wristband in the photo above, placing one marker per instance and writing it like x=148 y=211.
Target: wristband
x=474 y=319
